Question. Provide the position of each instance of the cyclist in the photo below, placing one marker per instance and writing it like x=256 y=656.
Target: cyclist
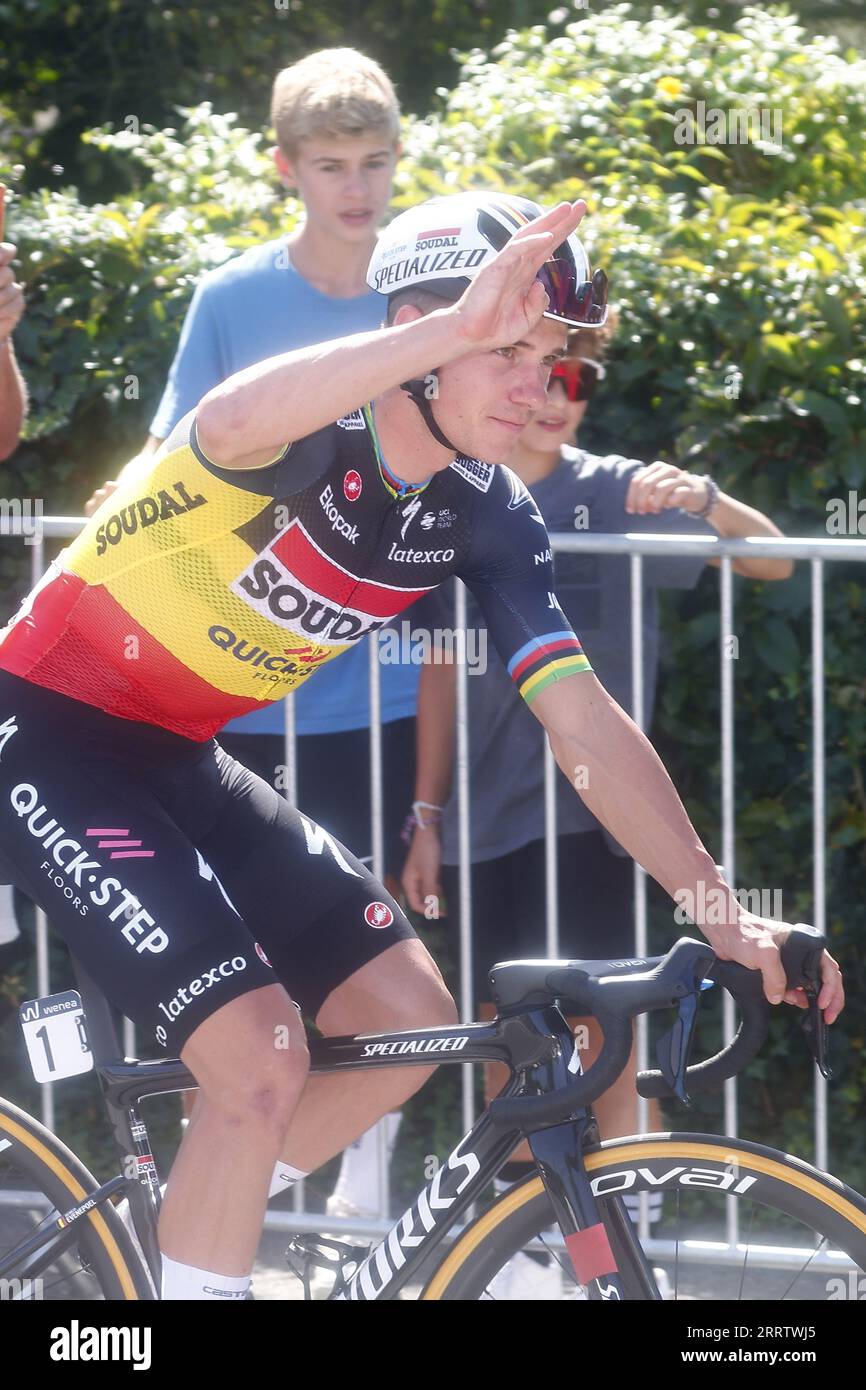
x=223 y=576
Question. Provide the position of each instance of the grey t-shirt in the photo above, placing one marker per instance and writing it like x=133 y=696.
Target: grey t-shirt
x=506 y=741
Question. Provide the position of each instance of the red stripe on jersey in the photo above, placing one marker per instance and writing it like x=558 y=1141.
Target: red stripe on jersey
x=306 y=562
x=542 y=653
x=74 y=641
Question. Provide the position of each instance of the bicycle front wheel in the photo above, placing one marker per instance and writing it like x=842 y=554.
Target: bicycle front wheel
x=41 y=1179
x=737 y=1222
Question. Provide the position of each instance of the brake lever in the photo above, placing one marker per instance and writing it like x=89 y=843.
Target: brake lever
x=674 y=1048
x=802 y=959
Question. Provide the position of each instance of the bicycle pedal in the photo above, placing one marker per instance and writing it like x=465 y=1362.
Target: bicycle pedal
x=307 y=1254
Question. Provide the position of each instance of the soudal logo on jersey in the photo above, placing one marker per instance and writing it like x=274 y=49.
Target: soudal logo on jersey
x=352 y=485
x=378 y=915
x=146 y=511
x=294 y=584
x=445 y=236
x=430 y=263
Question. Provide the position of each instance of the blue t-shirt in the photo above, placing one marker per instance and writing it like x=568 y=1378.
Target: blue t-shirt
x=257 y=306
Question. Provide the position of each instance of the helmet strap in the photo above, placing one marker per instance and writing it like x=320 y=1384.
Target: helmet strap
x=417 y=391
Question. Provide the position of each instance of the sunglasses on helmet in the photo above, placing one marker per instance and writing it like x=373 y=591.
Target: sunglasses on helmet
x=579 y=376
x=584 y=303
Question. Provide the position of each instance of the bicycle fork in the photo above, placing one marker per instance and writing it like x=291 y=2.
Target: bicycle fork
x=603 y=1246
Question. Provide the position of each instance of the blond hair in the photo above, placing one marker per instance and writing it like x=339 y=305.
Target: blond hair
x=334 y=92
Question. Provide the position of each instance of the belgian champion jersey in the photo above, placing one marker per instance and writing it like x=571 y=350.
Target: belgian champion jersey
x=198 y=593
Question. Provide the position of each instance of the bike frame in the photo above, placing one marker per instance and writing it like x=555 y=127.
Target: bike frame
x=539 y=1048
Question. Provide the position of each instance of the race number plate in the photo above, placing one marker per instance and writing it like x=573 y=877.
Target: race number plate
x=56 y=1036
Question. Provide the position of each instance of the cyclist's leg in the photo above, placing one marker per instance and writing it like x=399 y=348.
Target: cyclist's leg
x=89 y=838
x=401 y=988
x=351 y=954
x=250 y=1061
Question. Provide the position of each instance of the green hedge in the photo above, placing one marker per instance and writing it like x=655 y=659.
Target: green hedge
x=739 y=273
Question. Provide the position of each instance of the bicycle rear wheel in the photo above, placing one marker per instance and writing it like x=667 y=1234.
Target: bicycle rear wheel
x=801 y=1233
x=40 y=1175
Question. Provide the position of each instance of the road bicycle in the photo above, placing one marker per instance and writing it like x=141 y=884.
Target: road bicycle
x=797 y=1228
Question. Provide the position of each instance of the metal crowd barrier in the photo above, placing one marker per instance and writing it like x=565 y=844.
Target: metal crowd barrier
x=637 y=547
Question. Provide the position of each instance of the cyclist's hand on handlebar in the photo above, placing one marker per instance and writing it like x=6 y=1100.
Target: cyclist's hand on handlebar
x=754 y=942
x=420 y=877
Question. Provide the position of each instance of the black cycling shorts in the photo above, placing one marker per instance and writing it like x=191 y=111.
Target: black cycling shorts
x=178 y=878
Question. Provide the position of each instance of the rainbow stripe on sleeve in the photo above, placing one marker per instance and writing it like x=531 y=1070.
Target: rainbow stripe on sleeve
x=545 y=659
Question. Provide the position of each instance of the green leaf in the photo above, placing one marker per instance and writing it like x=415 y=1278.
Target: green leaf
x=779 y=649
x=834 y=417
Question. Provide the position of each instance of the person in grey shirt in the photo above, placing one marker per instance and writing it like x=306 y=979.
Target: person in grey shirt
x=573 y=490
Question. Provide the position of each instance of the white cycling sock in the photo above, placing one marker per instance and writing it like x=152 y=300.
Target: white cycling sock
x=358 y=1183
x=284 y=1177
x=186 y=1282
x=8 y=924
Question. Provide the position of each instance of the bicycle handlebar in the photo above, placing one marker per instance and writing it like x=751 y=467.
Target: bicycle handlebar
x=669 y=980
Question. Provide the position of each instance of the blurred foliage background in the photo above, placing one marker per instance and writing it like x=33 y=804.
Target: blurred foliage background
x=739 y=272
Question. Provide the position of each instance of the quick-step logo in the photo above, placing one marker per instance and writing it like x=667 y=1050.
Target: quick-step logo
x=70 y=855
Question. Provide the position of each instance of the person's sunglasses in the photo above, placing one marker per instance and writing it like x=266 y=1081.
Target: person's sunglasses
x=585 y=303
x=579 y=376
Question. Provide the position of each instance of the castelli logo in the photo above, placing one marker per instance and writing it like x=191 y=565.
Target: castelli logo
x=261 y=955
x=352 y=485
x=378 y=915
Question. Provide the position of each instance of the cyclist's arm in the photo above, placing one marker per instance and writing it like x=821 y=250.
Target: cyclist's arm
x=248 y=419
x=608 y=760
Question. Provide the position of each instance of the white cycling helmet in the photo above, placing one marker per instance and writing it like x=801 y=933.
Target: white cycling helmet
x=443 y=243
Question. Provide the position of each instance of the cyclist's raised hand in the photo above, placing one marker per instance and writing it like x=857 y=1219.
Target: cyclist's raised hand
x=754 y=942
x=505 y=300
x=421 y=872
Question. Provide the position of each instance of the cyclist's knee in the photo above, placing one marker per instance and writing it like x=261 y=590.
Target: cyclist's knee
x=251 y=1060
